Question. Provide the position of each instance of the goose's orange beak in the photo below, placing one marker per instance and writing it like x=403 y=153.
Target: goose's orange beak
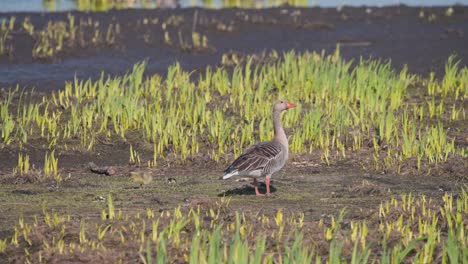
x=290 y=105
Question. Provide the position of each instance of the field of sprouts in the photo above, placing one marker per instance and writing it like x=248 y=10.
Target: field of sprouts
x=124 y=168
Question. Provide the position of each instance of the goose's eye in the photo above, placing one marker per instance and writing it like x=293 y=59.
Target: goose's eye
x=282 y=102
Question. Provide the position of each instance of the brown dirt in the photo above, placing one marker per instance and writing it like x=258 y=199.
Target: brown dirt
x=310 y=187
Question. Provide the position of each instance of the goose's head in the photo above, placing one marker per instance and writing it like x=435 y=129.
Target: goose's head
x=282 y=105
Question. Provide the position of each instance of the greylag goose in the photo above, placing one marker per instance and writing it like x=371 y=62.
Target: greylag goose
x=265 y=158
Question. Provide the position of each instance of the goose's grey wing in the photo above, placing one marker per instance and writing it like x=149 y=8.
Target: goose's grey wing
x=260 y=158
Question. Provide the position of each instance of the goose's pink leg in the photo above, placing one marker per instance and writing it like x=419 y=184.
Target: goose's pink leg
x=267 y=183
x=256 y=188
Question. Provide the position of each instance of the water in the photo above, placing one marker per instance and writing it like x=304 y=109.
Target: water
x=68 y=5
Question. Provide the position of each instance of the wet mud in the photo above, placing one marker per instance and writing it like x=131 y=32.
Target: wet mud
x=421 y=38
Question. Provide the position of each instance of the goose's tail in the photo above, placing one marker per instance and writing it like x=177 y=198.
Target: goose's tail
x=228 y=173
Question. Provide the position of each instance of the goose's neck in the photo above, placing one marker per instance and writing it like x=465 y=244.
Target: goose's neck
x=280 y=136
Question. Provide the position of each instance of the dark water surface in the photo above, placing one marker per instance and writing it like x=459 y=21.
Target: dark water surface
x=396 y=33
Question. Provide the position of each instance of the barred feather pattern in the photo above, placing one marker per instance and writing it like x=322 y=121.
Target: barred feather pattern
x=264 y=158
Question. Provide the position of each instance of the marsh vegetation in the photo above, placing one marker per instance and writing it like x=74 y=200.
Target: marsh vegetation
x=345 y=108
x=364 y=111
x=377 y=172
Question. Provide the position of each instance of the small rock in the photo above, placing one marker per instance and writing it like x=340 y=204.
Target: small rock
x=171 y=181
x=99 y=198
x=107 y=170
x=345 y=225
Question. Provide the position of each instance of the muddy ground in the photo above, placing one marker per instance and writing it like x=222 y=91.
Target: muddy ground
x=402 y=34
x=317 y=191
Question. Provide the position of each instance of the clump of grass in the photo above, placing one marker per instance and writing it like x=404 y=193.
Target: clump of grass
x=453 y=84
x=99 y=5
x=58 y=36
x=4 y=38
x=134 y=157
x=51 y=166
x=25 y=170
x=7 y=26
x=197 y=42
x=28 y=26
x=23 y=165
